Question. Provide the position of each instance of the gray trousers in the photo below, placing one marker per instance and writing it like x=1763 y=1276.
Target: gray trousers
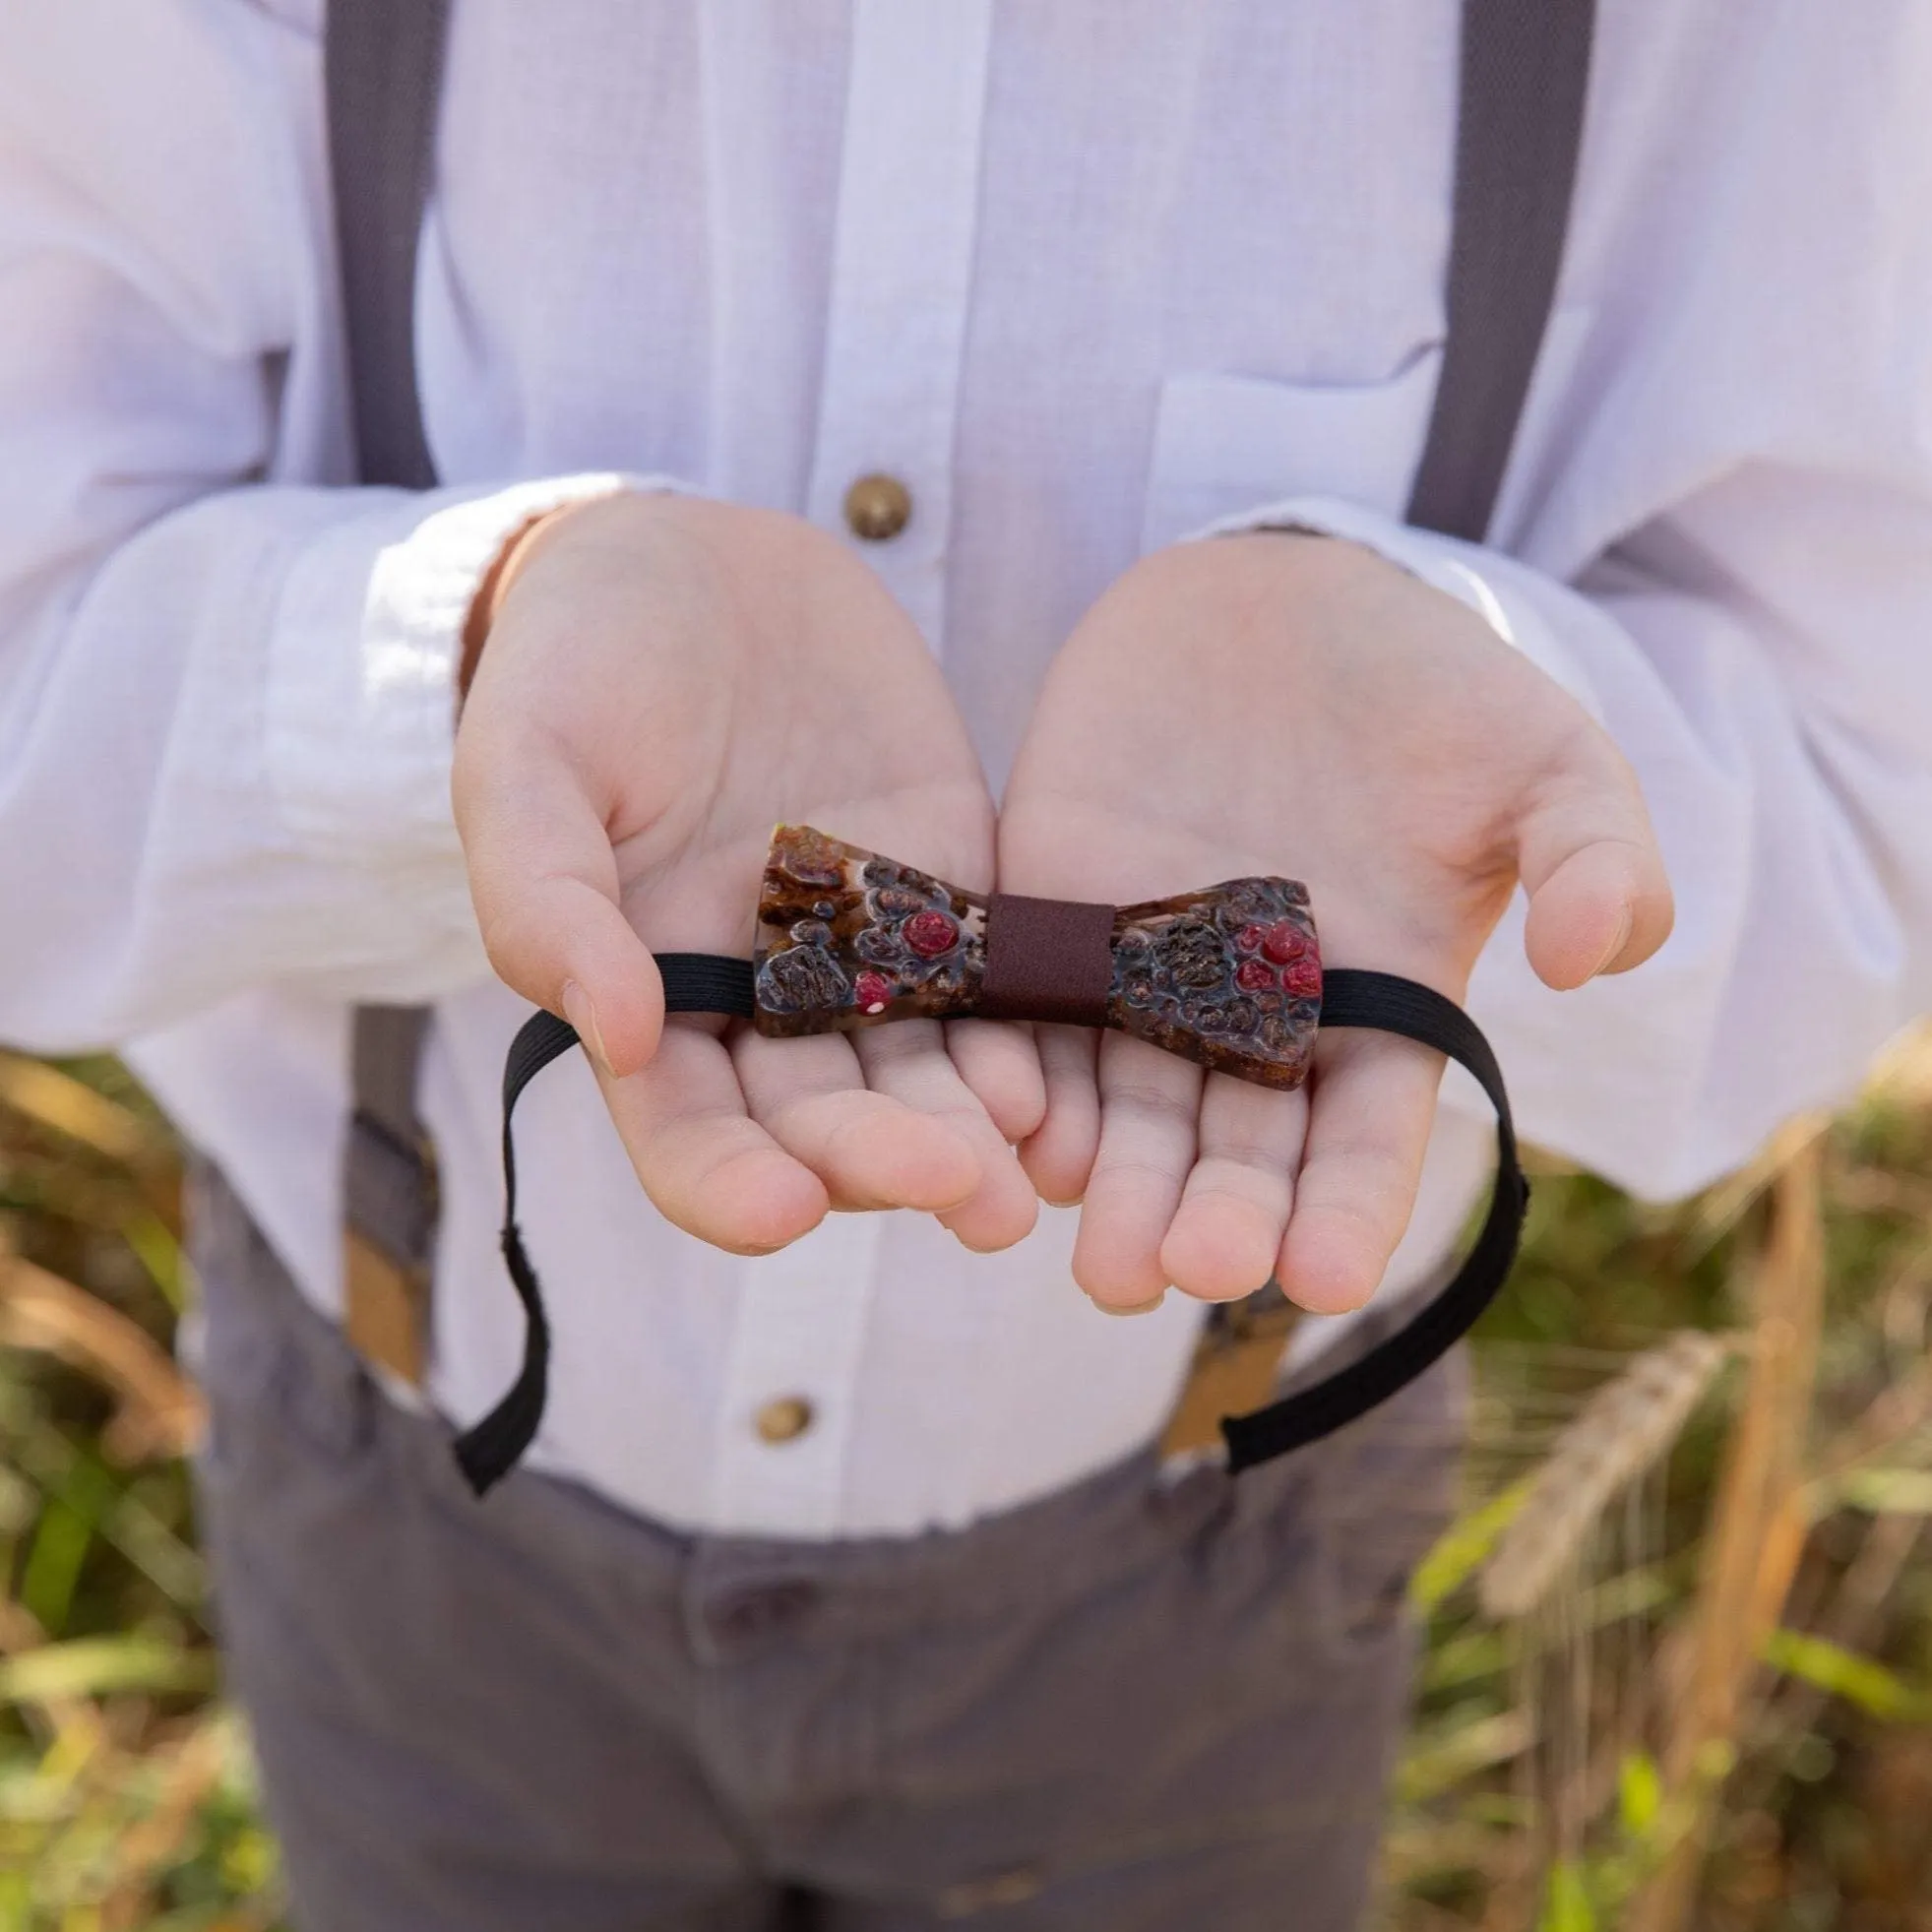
x=1141 y=1704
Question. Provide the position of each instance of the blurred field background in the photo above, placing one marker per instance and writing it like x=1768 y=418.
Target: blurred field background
x=1695 y=1691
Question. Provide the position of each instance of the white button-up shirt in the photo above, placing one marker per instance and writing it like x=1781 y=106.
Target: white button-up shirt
x=1086 y=277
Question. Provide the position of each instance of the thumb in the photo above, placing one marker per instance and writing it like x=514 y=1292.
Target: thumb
x=1600 y=898
x=543 y=880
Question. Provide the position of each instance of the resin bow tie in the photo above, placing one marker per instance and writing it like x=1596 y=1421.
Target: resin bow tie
x=1231 y=975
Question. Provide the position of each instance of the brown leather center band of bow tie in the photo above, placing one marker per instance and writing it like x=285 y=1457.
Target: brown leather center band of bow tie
x=1048 y=958
x=1229 y=976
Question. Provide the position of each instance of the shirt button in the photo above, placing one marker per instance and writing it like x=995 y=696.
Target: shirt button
x=878 y=508
x=785 y=1418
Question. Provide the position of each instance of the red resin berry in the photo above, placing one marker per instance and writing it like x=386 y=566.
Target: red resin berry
x=873 y=990
x=930 y=934
x=1254 y=976
x=1304 y=978
x=1284 y=941
x=1249 y=938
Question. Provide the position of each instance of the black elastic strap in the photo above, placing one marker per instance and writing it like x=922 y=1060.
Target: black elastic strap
x=1519 y=128
x=704 y=982
x=1392 y=1005
x=694 y=983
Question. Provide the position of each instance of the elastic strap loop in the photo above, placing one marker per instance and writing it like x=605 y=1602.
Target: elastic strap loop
x=694 y=983
x=703 y=983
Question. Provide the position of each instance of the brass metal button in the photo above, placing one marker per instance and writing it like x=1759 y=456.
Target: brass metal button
x=783 y=1418
x=878 y=508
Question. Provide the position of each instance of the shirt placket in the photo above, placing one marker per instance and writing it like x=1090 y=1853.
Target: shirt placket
x=785 y=1413
x=882 y=474
x=908 y=197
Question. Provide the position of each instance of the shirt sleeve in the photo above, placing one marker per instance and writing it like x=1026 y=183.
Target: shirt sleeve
x=1790 y=787
x=1717 y=537
x=226 y=681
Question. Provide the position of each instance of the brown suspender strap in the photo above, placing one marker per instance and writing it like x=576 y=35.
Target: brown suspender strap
x=1523 y=77
x=1519 y=128
x=383 y=67
x=382 y=63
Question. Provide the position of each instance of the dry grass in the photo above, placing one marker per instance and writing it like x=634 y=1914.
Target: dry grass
x=1712 y=1700
x=125 y=1793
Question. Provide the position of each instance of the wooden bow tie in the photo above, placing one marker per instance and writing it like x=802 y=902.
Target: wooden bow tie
x=1231 y=975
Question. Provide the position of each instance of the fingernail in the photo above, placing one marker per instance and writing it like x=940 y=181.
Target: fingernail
x=582 y=1014
x=1129 y=1307
x=1616 y=945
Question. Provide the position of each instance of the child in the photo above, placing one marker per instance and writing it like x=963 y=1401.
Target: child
x=819 y=398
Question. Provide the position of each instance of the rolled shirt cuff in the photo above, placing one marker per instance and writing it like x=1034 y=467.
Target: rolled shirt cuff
x=361 y=687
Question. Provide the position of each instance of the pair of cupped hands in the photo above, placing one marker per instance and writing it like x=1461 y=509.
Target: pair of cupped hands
x=663 y=679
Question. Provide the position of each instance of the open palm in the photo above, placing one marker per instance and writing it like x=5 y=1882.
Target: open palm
x=663 y=680
x=1288 y=704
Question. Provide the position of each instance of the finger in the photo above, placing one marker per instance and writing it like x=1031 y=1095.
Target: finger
x=1600 y=898
x=870 y=1151
x=544 y=883
x=1149 y=1101
x=708 y=1167
x=1368 y=1127
x=1058 y=1155
x=908 y=1061
x=1000 y=1063
x=1226 y=1235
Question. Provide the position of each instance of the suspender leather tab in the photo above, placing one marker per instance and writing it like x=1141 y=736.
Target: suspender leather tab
x=390 y=1194
x=389 y=1245
x=1236 y=1364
